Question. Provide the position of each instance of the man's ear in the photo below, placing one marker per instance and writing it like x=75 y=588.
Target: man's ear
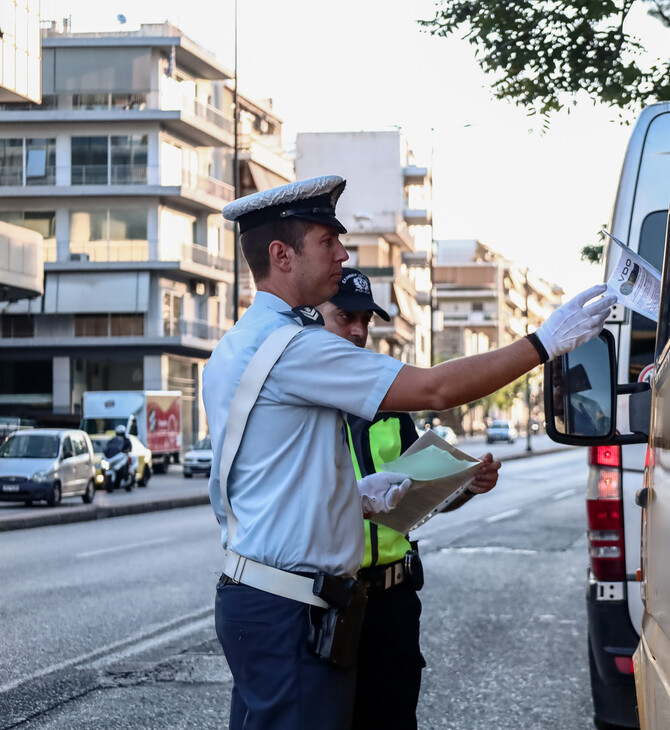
x=281 y=255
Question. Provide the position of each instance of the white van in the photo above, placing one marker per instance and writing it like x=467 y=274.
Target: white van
x=618 y=454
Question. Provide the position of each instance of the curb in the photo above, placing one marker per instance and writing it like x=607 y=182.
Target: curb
x=78 y=514
x=59 y=516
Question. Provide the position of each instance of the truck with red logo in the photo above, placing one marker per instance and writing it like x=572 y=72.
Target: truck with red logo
x=154 y=416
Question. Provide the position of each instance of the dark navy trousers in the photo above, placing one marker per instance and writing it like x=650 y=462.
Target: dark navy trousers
x=279 y=683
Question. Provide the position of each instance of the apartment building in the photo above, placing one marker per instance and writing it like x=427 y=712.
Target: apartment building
x=386 y=209
x=124 y=170
x=485 y=301
x=21 y=270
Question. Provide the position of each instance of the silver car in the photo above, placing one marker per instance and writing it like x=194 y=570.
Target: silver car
x=46 y=464
x=199 y=459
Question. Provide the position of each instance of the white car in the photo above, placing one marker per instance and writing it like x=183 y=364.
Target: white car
x=46 y=464
x=199 y=459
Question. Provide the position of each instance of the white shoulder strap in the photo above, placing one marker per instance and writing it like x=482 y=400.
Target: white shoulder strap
x=243 y=401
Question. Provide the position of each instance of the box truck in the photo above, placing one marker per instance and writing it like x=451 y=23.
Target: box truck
x=154 y=416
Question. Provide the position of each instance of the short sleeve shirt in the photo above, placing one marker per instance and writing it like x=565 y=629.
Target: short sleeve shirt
x=292 y=486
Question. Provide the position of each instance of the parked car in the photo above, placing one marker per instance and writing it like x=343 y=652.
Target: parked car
x=199 y=459
x=46 y=464
x=501 y=431
x=141 y=454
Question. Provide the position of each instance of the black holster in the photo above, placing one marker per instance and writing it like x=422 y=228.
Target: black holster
x=335 y=632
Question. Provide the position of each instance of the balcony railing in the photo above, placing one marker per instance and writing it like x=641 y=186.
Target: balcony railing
x=120 y=175
x=124 y=102
x=109 y=174
x=138 y=250
x=201 y=330
x=14 y=175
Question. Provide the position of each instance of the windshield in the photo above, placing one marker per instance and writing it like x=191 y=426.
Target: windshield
x=500 y=424
x=30 y=446
x=203 y=444
x=101 y=425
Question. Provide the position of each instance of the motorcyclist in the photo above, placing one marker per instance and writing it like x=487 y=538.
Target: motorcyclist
x=120 y=443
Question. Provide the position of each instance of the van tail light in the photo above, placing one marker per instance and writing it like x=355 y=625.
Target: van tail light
x=604 y=512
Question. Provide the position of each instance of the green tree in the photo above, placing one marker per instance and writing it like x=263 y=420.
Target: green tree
x=543 y=52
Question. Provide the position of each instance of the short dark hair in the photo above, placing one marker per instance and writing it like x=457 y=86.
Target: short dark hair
x=256 y=242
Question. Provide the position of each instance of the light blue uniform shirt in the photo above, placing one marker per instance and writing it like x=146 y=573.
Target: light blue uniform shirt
x=292 y=485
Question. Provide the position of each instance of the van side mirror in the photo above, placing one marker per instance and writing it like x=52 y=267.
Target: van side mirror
x=580 y=397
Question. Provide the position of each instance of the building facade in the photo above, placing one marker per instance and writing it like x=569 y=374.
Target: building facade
x=123 y=170
x=386 y=209
x=484 y=301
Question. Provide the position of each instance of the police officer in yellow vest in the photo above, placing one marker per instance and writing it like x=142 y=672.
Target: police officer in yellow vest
x=389 y=659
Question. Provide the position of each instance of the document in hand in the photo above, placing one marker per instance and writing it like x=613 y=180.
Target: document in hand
x=635 y=282
x=439 y=474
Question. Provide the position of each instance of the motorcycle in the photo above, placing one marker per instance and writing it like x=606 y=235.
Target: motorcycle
x=117 y=469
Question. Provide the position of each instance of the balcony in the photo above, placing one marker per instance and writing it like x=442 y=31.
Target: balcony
x=195 y=191
x=183 y=115
x=183 y=260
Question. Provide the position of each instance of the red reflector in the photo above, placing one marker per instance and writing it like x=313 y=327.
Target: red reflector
x=605 y=456
x=624 y=664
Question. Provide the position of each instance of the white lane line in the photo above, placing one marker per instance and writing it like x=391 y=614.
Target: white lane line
x=564 y=494
x=503 y=515
x=119 y=548
x=179 y=626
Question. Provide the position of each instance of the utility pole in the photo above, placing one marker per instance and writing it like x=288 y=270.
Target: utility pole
x=236 y=181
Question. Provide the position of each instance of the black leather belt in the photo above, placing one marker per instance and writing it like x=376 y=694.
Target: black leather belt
x=382 y=577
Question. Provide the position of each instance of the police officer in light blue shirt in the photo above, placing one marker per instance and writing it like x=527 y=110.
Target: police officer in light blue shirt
x=296 y=507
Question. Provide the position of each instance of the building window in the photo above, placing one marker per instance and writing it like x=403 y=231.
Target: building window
x=11 y=162
x=129 y=159
x=18 y=325
x=127 y=325
x=110 y=235
x=41 y=161
x=41 y=221
x=171 y=313
x=89 y=159
x=477 y=306
x=109 y=325
x=91 y=325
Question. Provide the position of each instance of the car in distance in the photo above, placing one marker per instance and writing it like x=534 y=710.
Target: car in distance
x=501 y=431
x=199 y=459
x=46 y=464
x=139 y=452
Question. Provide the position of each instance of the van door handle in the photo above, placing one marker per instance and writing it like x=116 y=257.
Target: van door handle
x=642 y=497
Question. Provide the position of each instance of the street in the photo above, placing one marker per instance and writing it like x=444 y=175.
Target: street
x=109 y=624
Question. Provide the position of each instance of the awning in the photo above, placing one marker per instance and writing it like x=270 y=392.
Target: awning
x=405 y=304
x=264 y=179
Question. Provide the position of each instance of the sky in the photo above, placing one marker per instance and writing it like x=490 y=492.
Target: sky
x=535 y=197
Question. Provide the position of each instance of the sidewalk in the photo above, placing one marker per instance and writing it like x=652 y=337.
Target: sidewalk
x=172 y=491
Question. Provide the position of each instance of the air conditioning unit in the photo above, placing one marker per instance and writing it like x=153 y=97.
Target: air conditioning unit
x=196 y=287
x=79 y=257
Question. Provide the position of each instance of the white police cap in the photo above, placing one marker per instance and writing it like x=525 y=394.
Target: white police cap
x=312 y=200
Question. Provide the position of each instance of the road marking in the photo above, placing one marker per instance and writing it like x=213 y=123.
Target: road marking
x=503 y=515
x=490 y=550
x=136 y=643
x=564 y=494
x=119 y=548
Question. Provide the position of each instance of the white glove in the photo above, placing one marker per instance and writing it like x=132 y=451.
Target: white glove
x=573 y=323
x=382 y=491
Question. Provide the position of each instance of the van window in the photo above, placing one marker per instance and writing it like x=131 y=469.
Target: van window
x=643 y=330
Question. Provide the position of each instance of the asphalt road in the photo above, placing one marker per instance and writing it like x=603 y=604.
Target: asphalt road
x=108 y=623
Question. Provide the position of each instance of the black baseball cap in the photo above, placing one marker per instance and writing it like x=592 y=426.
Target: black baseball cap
x=355 y=294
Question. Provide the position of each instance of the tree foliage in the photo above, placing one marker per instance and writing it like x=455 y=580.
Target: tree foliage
x=592 y=254
x=542 y=52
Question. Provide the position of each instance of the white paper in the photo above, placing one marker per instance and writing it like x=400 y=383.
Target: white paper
x=635 y=282
x=449 y=471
